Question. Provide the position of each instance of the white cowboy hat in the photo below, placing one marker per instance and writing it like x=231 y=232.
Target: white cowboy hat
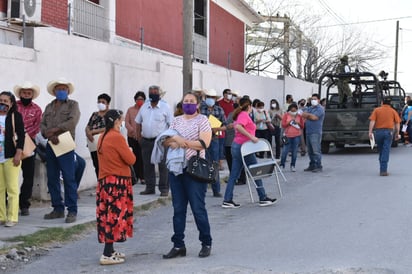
x=61 y=81
x=210 y=92
x=27 y=85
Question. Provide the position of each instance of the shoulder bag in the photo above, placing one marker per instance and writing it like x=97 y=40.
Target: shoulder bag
x=201 y=169
x=29 y=145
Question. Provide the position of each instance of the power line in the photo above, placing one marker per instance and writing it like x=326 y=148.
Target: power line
x=367 y=22
x=332 y=12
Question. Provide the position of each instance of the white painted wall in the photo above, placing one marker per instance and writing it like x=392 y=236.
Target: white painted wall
x=96 y=67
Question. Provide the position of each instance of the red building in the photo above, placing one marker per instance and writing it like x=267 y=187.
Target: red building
x=219 y=26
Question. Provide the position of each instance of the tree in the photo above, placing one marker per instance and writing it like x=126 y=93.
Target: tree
x=302 y=36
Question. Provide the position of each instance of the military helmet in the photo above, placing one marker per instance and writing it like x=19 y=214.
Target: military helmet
x=344 y=58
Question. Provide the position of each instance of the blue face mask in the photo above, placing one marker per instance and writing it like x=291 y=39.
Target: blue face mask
x=61 y=95
x=210 y=102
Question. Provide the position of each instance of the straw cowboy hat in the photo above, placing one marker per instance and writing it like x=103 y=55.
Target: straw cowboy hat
x=27 y=85
x=210 y=92
x=61 y=81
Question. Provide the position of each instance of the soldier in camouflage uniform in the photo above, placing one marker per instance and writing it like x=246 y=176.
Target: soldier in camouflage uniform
x=343 y=86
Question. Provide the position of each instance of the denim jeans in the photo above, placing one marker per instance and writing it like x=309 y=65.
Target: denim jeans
x=187 y=190
x=66 y=164
x=291 y=146
x=383 y=138
x=237 y=166
x=213 y=155
x=313 y=141
x=409 y=130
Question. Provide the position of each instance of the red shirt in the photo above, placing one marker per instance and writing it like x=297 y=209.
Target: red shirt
x=32 y=114
x=227 y=106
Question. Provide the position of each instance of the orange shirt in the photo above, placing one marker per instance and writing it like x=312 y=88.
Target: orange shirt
x=115 y=156
x=385 y=117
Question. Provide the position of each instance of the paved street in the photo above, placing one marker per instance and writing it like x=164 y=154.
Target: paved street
x=346 y=219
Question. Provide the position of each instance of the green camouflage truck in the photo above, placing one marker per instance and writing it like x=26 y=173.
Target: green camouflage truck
x=347 y=119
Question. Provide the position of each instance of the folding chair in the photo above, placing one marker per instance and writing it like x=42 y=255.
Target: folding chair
x=262 y=169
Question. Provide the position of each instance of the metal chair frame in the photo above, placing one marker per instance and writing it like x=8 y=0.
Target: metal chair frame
x=254 y=172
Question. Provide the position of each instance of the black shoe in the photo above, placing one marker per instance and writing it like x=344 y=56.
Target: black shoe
x=175 y=252
x=239 y=182
x=24 y=212
x=267 y=202
x=318 y=169
x=217 y=194
x=147 y=192
x=54 y=215
x=205 y=251
x=71 y=217
x=309 y=168
x=230 y=204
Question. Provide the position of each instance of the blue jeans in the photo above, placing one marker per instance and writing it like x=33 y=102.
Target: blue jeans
x=213 y=155
x=313 y=141
x=409 y=130
x=80 y=165
x=383 y=138
x=237 y=166
x=291 y=146
x=187 y=190
x=64 y=163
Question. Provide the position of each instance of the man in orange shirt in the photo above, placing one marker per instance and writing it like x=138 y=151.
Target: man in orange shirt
x=385 y=120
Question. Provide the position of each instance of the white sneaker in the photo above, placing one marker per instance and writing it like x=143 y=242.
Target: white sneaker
x=292 y=168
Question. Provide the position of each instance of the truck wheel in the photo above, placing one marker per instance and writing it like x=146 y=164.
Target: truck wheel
x=325 y=147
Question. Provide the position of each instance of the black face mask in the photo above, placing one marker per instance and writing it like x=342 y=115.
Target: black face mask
x=154 y=98
x=25 y=101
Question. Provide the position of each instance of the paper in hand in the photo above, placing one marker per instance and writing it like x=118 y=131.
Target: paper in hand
x=372 y=141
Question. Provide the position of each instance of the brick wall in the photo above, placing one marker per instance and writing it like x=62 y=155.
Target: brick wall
x=3 y=6
x=54 y=13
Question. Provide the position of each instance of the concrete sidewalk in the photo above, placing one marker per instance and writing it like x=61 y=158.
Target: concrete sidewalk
x=86 y=213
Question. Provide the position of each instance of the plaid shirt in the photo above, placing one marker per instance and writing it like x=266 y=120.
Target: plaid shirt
x=31 y=117
x=216 y=111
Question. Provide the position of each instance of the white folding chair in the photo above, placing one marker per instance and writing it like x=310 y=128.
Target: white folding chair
x=264 y=168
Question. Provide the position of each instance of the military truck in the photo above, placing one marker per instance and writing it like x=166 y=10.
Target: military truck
x=393 y=90
x=347 y=119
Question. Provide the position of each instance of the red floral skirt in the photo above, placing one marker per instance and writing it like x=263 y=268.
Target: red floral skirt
x=114 y=209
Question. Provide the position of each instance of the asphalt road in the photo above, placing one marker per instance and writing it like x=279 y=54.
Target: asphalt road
x=346 y=219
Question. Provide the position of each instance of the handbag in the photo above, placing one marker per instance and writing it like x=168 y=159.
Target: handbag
x=29 y=145
x=201 y=169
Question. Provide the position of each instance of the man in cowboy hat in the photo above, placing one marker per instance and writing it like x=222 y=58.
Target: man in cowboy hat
x=61 y=115
x=209 y=107
x=31 y=113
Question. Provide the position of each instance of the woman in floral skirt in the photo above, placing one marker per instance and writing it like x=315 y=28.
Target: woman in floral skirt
x=114 y=196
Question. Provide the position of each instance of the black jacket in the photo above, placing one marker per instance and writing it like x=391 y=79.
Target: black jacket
x=9 y=148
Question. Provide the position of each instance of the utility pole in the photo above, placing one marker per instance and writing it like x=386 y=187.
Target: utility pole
x=396 y=51
x=187 y=45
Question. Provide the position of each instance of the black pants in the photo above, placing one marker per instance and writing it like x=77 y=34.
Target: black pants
x=265 y=134
x=95 y=162
x=26 y=189
x=228 y=155
x=276 y=133
x=137 y=150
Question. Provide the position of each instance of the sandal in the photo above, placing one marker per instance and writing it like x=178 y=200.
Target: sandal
x=104 y=260
x=119 y=254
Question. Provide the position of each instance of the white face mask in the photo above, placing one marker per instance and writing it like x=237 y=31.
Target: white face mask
x=101 y=106
x=293 y=112
x=314 y=103
x=229 y=96
x=260 y=110
x=274 y=105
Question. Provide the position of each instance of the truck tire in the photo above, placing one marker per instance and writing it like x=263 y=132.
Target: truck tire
x=324 y=147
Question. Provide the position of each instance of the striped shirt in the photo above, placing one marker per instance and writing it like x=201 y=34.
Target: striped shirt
x=31 y=117
x=189 y=129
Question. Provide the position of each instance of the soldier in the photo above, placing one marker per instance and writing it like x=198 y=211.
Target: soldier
x=343 y=86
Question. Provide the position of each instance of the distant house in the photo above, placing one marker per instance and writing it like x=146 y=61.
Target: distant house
x=219 y=25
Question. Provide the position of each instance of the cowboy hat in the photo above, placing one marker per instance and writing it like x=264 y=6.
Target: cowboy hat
x=210 y=92
x=27 y=85
x=61 y=81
